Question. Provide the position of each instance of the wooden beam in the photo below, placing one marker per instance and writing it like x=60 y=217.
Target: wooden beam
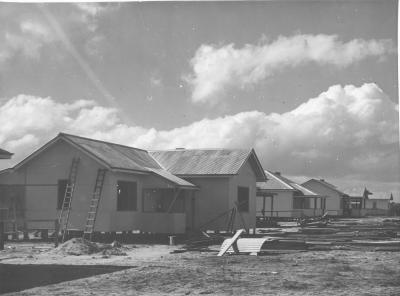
x=173 y=201
x=272 y=205
x=2 y=235
x=263 y=208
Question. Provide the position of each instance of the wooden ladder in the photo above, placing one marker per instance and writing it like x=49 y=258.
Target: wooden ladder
x=231 y=220
x=94 y=204
x=69 y=193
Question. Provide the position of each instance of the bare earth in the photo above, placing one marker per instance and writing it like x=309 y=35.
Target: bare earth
x=157 y=272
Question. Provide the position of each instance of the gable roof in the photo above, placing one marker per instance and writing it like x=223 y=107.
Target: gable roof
x=277 y=182
x=326 y=184
x=167 y=164
x=5 y=154
x=201 y=162
x=360 y=193
x=115 y=155
x=172 y=178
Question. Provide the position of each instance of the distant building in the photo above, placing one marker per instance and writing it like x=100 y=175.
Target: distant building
x=280 y=197
x=348 y=204
x=335 y=198
x=150 y=191
x=5 y=154
x=376 y=204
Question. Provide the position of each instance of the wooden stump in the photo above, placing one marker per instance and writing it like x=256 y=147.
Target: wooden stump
x=2 y=235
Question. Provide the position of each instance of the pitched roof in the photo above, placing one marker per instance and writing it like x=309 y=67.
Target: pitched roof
x=172 y=178
x=115 y=155
x=165 y=164
x=5 y=154
x=359 y=192
x=207 y=161
x=326 y=184
x=277 y=182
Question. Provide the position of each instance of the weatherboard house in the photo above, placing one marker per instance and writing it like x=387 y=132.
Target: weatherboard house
x=340 y=203
x=336 y=200
x=6 y=204
x=373 y=204
x=170 y=191
x=280 y=197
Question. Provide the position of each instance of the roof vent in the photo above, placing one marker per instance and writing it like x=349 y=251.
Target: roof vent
x=278 y=173
x=323 y=180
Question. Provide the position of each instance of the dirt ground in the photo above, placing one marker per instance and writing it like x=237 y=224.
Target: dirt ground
x=157 y=272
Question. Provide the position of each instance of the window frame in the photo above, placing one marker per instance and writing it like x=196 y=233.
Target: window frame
x=180 y=196
x=240 y=203
x=120 y=204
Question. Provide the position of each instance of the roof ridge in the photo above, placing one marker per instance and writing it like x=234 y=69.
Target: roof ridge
x=100 y=141
x=285 y=183
x=197 y=149
x=329 y=185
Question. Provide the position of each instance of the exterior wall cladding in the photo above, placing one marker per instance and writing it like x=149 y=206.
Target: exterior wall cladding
x=333 y=198
x=40 y=177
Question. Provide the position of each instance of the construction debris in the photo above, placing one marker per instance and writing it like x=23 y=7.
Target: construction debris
x=80 y=246
x=372 y=234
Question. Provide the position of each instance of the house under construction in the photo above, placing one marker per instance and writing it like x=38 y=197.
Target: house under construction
x=91 y=185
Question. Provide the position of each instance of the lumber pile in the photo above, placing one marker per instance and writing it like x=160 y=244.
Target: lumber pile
x=373 y=234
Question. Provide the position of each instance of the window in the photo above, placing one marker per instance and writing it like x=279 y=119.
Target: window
x=160 y=200
x=374 y=204
x=126 y=196
x=243 y=199
x=61 y=187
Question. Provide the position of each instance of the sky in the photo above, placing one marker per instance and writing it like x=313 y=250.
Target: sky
x=310 y=85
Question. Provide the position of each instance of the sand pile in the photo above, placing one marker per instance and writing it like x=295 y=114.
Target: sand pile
x=80 y=246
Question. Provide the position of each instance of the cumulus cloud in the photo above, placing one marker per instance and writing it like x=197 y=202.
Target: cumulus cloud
x=25 y=34
x=89 y=13
x=346 y=130
x=27 y=40
x=216 y=68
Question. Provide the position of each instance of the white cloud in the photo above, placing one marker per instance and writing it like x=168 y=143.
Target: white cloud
x=90 y=12
x=27 y=40
x=218 y=68
x=36 y=29
x=344 y=131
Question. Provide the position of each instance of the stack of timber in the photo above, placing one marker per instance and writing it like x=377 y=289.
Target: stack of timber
x=372 y=234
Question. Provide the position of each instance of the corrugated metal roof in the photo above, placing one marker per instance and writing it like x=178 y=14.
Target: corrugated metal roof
x=277 y=182
x=116 y=156
x=201 y=161
x=326 y=184
x=274 y=182
x=359 y=192
x=164 y=163
x=379 y=195
x=172 y=178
